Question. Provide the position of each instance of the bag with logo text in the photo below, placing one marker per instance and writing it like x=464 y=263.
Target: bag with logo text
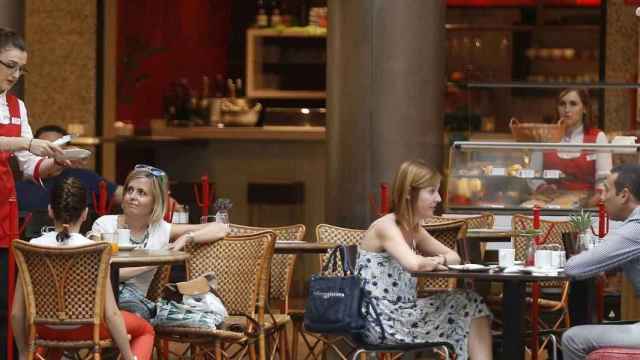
x=336 y=300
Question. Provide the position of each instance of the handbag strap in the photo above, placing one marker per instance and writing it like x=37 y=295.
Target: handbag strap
x=349 y=255
x=371 y=307
x=331 y=263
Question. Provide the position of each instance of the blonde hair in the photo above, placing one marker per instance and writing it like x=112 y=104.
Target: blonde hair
x=159 y=191
x=413 y=176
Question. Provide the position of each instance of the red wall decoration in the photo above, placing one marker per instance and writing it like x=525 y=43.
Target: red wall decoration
x=160 y=41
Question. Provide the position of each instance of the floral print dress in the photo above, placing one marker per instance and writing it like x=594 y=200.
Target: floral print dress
x=405 y=318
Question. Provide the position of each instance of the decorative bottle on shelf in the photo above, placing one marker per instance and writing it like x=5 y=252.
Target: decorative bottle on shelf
x=215 y=104
x=276 y=19
x=204 y=104
x=262 y=20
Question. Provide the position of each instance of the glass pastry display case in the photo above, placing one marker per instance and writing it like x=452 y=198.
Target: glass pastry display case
x=507 y=177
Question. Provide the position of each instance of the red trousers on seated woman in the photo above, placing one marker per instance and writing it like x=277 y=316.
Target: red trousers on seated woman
x=139 y=329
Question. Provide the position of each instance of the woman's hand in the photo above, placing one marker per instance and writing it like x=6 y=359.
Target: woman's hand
x=44 y=148
x=433 y=263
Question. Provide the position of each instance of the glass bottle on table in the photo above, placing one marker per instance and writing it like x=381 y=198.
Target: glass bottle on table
x=531 y=252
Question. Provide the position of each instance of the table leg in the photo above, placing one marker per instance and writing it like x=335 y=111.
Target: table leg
x=582 y=302
x=115 y=281
x=512 y=320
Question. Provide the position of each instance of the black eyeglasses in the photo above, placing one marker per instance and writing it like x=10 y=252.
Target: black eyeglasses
x=15 y=68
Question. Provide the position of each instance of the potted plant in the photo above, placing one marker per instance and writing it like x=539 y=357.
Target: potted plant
x=581 y=222
x=222 y=206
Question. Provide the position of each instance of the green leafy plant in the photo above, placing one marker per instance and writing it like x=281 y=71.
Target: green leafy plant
x=580 y=221
x=223 y=204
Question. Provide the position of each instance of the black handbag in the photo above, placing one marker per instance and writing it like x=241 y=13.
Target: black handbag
x=335 y=302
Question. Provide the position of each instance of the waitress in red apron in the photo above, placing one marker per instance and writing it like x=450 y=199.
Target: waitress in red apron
x=582 y=170
x=35 y=157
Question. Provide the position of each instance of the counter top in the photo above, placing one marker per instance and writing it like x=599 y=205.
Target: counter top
x=294 y=133
x=174 y=134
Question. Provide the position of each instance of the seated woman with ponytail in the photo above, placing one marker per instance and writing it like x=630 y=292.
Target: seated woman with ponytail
x=68 y=208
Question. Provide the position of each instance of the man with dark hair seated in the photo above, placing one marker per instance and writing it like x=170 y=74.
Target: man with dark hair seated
x=32 y=196
x=620 y=248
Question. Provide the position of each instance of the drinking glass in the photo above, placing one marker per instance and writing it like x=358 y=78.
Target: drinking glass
x=221 y=217
x=112 y=238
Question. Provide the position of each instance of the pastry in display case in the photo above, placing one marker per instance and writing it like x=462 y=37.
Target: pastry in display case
x=511 y=176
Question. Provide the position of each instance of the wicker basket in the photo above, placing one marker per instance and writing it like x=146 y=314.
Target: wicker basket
x=535 y=132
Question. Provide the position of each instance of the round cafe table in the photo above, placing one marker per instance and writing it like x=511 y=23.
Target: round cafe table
x=302 y=247
x=140 y=257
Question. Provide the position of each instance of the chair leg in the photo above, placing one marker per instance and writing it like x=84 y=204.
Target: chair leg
x=295 y=338
x=252 y=351
x=359 y=353
x=262 y=346
x=283 y=347
x=217 y=349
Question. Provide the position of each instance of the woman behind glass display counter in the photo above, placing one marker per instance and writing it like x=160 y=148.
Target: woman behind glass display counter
x=582 y=171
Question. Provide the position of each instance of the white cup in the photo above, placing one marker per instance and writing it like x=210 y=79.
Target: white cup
x=123 y=236
x=543 y=258
x=506 y=257
x=557 y=259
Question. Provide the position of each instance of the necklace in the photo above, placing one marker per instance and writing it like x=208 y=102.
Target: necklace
x=144 y=239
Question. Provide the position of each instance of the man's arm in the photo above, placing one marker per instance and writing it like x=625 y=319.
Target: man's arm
x=616 y=249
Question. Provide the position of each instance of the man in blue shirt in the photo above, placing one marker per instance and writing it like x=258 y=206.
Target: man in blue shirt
x=32 y=196
x=620 y=249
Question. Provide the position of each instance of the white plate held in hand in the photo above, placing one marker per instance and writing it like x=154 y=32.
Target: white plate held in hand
x=74 y=154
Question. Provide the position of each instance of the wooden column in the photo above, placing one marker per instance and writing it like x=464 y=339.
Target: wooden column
x=385 y=85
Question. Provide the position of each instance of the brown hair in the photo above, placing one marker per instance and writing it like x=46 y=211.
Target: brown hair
x=412 y=177
x=585 y=98
x=11 y=39
x=159 y=191
x=68 y=201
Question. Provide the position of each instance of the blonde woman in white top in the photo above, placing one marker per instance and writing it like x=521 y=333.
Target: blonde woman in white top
x=143 y=205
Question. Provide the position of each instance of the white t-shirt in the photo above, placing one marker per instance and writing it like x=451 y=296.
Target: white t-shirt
x=49 y=239
x=159 y=234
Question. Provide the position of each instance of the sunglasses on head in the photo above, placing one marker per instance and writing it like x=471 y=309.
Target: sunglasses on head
x=150 y=169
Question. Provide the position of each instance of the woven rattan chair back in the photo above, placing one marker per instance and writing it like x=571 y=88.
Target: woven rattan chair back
x=551 y=234
x=63 y=285
x=282 y=266
x=452 y=235
x=240 y=264
x=484 y=221
x=339 y=236
x=159 y=280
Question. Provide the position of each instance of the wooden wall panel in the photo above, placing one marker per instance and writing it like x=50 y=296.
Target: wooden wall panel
x=61 y=40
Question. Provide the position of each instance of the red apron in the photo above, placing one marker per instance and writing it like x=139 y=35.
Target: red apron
x=9 y=210
x=8 y=214
x=579 y=171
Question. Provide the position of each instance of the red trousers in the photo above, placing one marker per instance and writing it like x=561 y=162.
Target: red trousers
x=139 y=329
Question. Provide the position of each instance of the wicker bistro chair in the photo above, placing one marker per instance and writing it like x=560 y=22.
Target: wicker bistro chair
x=319 y=344
x=551 y=234
x=64 y=286
x=452 y=234
x=240 y=264
x=282 y=267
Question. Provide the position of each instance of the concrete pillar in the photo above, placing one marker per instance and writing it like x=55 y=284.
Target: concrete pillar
x=385 y=86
